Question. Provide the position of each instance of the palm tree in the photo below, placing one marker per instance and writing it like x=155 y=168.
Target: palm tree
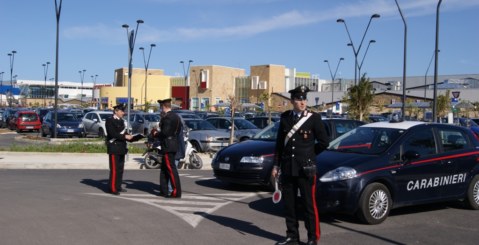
x=359 y=99
x=443 y=104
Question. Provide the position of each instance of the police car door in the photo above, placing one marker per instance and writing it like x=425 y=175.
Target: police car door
x=417 y=158
x=458 y=158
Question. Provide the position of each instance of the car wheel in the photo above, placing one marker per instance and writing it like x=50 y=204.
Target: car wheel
x=101 y=134
x=196 y=146
x=374 y=204
x=43 y=133
x=472 y=199
x=195 y=161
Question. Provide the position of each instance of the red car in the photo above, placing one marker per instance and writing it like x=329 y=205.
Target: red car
x=25 y=120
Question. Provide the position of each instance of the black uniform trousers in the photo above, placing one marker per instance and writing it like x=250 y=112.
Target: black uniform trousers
x=307 y=188
x=169 y=173
x=117 y=165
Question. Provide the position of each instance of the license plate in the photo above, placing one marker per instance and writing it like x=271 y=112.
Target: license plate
x=225 y=166
x=70 y=130
x=29 y=127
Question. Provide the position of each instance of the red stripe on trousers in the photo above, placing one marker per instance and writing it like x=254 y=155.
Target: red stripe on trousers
x=316 y=215
x=172 y=177
x=113 y=174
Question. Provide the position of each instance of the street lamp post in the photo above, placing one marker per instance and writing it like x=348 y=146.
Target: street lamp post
x=45 y=73
x=131 y=46
x=82 y=76
x=93 y=79
x=434 y=108
x=403 y=109
x=425 y=75
x=147 y=63
x=58 y=10
x=186 y=74
x=356 y=51
x=1 y=88
x=364 y=56
x=12 y=61
x=333 y=77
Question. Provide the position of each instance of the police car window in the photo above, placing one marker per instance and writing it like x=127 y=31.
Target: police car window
x=452 y=140
x=421 y=142
x=366 y=140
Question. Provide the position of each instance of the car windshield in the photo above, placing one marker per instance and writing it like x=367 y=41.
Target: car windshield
x=366 y=140
x=244 y=124
x=67 y=117
x=152 y=117
x=29 y=117
x=199 y=125
x=104 y=116
x=269 y=133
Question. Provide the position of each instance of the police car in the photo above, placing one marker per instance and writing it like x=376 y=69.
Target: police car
x=380 y=166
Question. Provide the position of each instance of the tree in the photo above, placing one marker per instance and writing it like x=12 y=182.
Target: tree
x=443 y=104
x=359 y=99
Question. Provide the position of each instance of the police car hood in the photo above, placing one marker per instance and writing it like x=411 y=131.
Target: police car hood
x=329 y=160
x=249 y=148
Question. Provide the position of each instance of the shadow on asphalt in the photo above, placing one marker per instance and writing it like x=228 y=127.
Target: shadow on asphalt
x=241 y=226
x=220 y=185
x=143 y=186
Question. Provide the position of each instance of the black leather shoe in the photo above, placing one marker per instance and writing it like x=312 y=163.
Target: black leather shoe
x=116 y=193
x=311 y=242
x=289 y=241
x=123 y=190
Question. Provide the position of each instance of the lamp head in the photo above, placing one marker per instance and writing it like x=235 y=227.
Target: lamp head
x=375 y=16
x=125 y=26
x=14 y=52
x=152 y=45
x=341 y=58
x=350 y=44
x=372 y=41
x=141 y=48
x=340 y=20
x=140 y=22
x=326 y=61
x=189 y=61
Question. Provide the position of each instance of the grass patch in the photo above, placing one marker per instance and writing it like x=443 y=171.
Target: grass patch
x=72 y=147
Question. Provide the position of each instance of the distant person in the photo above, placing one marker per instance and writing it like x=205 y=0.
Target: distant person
x=116 y=148
x=301 y=136
x=170 y=129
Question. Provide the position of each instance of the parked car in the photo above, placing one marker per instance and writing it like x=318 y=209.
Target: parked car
x=25 y=121
x=42 y=112
x=94 y=123
x=68 y=124
x=250 y=162
x=137 y=122
x=244 y=129
x=375 y=118
x=262 y=121
x=152 y=121
x=205 y=137
x=8 y=114
x=1 y=118
x=385 y=165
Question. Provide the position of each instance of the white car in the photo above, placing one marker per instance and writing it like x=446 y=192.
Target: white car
x=94 y=123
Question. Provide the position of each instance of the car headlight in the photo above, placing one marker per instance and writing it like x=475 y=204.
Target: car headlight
x=80 y=125
x=341 y=173
x=59 y=126
x=252 y=159
x=209 y=139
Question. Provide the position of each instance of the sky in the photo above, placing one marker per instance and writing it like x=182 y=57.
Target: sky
x=298 y=34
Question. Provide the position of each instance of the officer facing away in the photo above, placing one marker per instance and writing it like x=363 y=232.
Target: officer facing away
x=116 y=147
x=301 y=136
x=170 y=128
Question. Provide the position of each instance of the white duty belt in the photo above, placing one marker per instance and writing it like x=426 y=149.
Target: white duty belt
x=296 y=127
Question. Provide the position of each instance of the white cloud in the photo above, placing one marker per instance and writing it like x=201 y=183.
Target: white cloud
x=286 y=20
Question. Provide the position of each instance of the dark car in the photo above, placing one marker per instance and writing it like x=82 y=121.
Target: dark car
x=42 y=112
x=262 y=121
x=25 y=121
x=250 y=162
x=380 y=166
x=68 y=124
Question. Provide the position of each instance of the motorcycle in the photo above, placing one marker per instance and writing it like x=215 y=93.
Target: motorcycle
x=152 y=156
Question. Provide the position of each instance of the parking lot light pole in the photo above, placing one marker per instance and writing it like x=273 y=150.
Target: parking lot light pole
x=12 y=61
x=333 y=77
x=356 y=51
x=1 y=86
x=434 y=108
x=131 y=36
x=82 y=76
x=45 y=73
x=364 y=56
x=93 y=79
x=147 y=63
x=186 y=75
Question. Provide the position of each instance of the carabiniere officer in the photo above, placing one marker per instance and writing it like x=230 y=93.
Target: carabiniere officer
x=301 y=136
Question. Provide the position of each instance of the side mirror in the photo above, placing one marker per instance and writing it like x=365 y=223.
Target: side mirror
x=410 y=155
x=95 y=120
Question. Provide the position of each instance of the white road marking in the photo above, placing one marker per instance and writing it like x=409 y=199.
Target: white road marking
x=192 y=208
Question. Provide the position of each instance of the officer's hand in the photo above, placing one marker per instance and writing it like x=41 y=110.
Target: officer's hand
x=128 y=136
x=274 y=172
